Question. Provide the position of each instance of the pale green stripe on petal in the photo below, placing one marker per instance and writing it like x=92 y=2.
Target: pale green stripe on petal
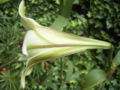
x=31 y=39
x=52 y=53
x=58 y=37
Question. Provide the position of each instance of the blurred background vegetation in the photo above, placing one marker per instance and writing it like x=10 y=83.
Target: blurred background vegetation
x=99 y=19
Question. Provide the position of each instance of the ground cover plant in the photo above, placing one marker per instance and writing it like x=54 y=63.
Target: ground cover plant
x=94 y=19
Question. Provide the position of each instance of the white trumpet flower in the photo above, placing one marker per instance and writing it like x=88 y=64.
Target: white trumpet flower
x=42 y=43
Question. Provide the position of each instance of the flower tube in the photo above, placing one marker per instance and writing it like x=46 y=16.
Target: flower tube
x=43 y=43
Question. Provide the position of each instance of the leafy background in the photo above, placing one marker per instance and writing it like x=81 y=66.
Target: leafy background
x=99 y=19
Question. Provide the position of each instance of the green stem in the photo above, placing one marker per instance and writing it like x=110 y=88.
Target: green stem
x=61 y=72
x=113 y=66
x=111 y=53
x=112 y=70
x=61 y=4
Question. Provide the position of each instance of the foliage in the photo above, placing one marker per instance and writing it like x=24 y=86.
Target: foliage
x=8 y=81
x=3 y=1
x=94 y=18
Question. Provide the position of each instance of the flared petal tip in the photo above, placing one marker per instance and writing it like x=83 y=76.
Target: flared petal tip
x=22 y=82
x=22 y=9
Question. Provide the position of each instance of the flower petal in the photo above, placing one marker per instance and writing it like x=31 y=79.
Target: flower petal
x=43 y=43
x=28 y=23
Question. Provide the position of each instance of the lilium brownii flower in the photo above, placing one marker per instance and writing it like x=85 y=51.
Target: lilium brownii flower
x=43 y=43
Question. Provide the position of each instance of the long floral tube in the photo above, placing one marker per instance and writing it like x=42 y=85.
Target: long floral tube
x=42 y=43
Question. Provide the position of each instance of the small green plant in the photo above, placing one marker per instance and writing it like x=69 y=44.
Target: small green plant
x=8 y=81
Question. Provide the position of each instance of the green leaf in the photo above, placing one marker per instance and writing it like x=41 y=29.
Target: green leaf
x=59 y=23
x=93 y=78
x=69 y=72
x=117 y=58
x=3 y=1
x=62 y=20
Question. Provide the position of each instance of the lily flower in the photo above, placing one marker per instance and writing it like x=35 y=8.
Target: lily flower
x=43 y=43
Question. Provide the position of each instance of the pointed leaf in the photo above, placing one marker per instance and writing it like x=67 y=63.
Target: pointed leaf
x=117 y=58
x=93 y=78
x=59 y=23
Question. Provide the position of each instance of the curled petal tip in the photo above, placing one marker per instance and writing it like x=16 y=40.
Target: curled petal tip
x=22 y=8
x=28 y=23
